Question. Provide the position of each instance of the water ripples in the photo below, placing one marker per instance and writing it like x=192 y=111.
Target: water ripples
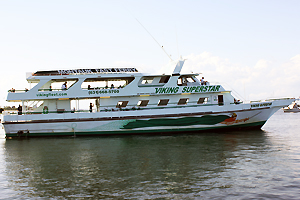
x=232 y=165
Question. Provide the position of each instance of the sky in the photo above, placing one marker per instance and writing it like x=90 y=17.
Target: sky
x=250 y=47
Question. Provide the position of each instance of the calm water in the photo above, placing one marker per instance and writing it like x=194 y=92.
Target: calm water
x=233 y=165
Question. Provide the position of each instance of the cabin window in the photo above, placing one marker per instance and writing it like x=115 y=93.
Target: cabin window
x=180 y=81
x=164 y=79
x=186 y=81
x=143 y=103
x=183 y=101
x=106 y=83
x=153 y=81
x=203 y=100
x=122 y=104
x=163 y=102
x=147 y=81
x=215 y=99
x=58 y=84
x=190 y=79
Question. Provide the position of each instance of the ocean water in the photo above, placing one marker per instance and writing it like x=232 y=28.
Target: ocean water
x=231 y=165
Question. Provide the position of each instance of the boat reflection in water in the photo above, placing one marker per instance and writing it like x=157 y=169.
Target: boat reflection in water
x=183 y=166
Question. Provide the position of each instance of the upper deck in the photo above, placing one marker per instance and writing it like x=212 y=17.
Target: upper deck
x=108 y=82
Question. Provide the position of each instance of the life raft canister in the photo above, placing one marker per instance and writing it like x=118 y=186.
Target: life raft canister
x=45 y=110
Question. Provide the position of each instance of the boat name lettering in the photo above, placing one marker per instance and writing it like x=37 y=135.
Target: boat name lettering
x=261 y=105
x=103 y=91
x=51 y=94
x=74 y=71
x=166 y=90
x=208 y=88
x=89 y=71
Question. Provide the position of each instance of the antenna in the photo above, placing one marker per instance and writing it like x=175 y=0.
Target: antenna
x=154 y=39
x=177 y=41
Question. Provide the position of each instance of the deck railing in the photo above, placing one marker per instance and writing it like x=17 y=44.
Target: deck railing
x=109 y=109
x=114 y=109
x=17 y=91
x=55 y=89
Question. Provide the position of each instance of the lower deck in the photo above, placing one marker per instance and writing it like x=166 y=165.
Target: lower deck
x=168 y=119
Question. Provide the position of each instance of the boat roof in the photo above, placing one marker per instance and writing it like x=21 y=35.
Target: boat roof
x=83 y=71
x=111 y=72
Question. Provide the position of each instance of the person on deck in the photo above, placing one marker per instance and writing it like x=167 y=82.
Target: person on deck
x=64 y=86
x=203 y=82
x=91 y=107
x=20 y=110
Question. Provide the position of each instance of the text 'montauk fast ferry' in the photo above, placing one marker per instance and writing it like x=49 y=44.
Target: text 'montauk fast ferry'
x=123 y=101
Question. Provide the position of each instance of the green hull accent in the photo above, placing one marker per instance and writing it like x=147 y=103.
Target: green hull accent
x=184 y=121
x=256 y=125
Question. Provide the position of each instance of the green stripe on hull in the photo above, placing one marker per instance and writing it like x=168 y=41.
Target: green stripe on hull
x=184 y=121
x=255 y=125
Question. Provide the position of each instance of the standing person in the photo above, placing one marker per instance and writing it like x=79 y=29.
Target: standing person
x=20 y=110
x=203 y=82
x=91 y=107
x=64 y=86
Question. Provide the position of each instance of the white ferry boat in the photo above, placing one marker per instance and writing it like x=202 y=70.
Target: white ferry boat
x=123 y=101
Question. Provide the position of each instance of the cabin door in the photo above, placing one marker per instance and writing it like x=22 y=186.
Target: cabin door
x=220 y=100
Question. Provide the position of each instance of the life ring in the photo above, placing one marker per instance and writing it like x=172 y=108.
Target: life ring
x=45 y=110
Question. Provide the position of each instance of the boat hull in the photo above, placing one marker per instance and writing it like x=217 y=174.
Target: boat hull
x=291 y=110
x=170 y=121
x=187 y=130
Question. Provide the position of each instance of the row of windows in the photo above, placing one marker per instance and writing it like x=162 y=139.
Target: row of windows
x=163 y=102
x=106 y=83
x=183 y=80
